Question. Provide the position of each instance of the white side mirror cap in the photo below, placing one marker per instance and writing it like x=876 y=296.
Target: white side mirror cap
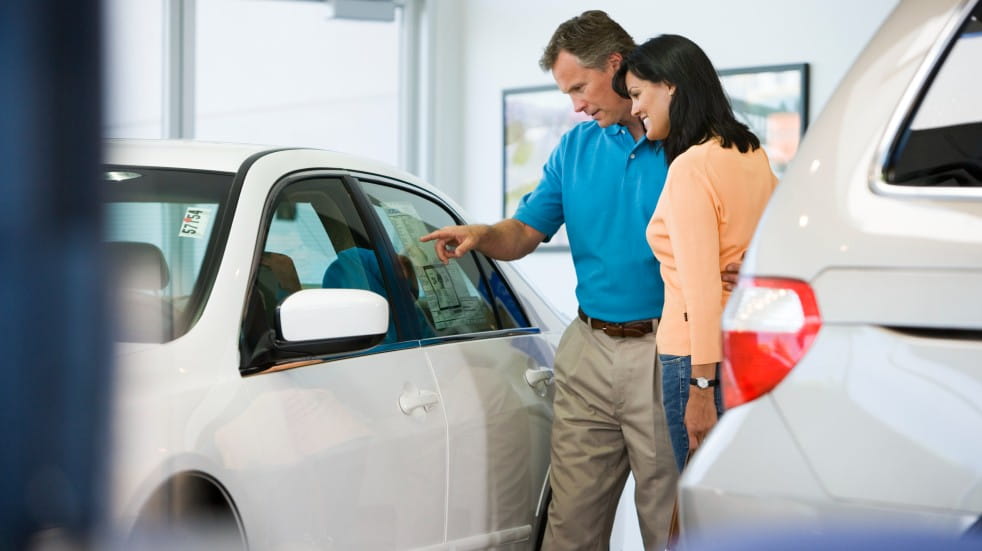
x=321 y=314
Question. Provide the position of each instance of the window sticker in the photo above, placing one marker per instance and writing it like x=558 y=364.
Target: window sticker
x=471 y=315
x=195 y=223
x=446 y=298
x=446 y=293
x=409 y=228
x=441 y=286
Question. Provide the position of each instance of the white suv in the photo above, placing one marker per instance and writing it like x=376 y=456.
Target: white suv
x=853 y=378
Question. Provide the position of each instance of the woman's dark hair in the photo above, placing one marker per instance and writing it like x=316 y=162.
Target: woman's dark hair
x=699 y=109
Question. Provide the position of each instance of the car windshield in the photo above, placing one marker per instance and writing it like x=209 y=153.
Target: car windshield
x=161 y=233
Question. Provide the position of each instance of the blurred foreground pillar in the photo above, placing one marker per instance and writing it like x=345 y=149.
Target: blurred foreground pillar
x=54 y=351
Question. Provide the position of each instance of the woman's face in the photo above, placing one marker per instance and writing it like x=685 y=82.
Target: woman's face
x=649 y=102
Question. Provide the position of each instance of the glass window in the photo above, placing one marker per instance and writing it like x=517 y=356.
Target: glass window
x=160 y=227
x=315 y=240
x=134 y=61
x=283 y=72
x=454 y=298
x=942 y=147
x=509 y=310
x=297 y=231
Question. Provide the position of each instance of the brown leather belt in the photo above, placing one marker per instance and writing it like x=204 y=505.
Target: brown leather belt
x=629 y=329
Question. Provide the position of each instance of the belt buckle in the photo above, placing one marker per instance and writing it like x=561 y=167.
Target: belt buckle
x=609 y=330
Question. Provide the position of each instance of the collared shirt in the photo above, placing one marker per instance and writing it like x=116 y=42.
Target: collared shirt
x=604 y=186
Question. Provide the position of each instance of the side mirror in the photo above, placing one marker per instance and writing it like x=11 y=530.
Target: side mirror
x=320 y=322
x=331 y=314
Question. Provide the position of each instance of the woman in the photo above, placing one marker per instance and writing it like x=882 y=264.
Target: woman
x=719 y=180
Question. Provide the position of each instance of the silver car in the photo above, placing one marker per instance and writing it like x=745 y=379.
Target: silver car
x=295 y=370
x=853 y=378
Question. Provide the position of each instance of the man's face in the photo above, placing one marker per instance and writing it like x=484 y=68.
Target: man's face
x=590 y=89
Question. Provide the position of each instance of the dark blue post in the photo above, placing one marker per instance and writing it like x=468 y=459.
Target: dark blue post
x=55 y=370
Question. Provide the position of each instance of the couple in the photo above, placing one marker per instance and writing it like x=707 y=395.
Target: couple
x=663 y=152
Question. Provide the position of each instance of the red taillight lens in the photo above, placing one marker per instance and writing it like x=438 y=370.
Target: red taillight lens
x=768 y=325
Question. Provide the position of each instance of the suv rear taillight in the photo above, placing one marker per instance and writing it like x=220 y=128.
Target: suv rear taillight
x=768 y=326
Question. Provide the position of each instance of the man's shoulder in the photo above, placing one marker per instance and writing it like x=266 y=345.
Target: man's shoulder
x=583 y=131
x=588 y=135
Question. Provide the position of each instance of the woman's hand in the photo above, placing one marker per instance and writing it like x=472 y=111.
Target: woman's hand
x=700 y=411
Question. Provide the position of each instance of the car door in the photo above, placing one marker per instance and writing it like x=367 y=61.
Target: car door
x=353 y=446
x=494 y=372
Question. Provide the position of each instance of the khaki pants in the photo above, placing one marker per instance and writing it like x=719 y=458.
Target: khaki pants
x=608 y=421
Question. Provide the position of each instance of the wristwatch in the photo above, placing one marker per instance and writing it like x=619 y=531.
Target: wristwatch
x=703 y=382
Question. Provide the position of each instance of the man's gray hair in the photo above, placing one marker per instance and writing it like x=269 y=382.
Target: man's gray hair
x=591 y=36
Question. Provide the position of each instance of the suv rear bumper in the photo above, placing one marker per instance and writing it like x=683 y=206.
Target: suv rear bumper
x=741 y=483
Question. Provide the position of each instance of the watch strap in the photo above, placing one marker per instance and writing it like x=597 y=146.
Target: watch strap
x=708 y=382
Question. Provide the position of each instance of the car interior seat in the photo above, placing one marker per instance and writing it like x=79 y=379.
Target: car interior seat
x=139 y=276
x=277 y=279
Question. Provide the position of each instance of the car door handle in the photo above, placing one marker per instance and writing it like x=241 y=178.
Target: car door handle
x=412 y=399
x=534 y=376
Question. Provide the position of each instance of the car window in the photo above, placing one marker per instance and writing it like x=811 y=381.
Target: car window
x=296 y=231
x=160 y=233
x=315 y=239
x=454 y=298
x=509 y=309
x=942 y=144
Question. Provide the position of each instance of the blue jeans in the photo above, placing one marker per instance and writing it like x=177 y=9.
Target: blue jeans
x=676 y=372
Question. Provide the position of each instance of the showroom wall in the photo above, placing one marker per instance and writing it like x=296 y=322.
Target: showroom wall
x=302 y=86
x=496 y=44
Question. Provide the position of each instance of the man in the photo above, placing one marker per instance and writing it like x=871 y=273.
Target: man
x=603 y=181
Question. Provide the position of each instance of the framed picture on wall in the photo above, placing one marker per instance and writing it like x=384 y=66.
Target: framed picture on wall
x=534 y=120
x=773 y=102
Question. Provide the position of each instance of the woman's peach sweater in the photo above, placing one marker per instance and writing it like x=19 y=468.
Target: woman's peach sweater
x=704 y=220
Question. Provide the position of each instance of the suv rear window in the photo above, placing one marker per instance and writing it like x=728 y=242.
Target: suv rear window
x=942 y=143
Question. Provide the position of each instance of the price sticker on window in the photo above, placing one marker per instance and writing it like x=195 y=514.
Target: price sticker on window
x=195 y=223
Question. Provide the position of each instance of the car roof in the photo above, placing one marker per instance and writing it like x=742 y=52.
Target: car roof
x=180 y=154
x=229 y=157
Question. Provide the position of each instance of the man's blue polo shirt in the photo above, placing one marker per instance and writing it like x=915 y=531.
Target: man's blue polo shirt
x=604 y=186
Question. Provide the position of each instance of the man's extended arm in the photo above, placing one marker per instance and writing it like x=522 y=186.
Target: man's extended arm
x=506 y=240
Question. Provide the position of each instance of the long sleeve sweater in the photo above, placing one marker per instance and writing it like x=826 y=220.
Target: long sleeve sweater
x=704 y=220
